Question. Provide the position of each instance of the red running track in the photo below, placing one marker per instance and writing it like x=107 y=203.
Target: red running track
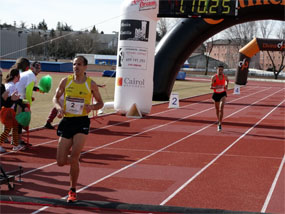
x=171 y=157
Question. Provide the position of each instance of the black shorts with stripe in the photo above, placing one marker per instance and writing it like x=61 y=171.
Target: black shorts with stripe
x=218 y=96
x=70 y=126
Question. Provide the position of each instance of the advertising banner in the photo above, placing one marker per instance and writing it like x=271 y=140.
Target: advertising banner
x=136 y=46
x=249 y=50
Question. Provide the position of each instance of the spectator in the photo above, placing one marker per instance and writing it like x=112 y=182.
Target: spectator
x=8 y=118
x=26 y=85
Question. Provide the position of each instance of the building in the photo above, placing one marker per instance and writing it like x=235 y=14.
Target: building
x=13 y=43
x=90 y=57
x=98 y=59
x=199 y=62
x=108 y=41
x=265 y=62
x=105 y=59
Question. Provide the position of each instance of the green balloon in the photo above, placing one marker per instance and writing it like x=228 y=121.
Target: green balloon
x=45 y=83
x=24 y=118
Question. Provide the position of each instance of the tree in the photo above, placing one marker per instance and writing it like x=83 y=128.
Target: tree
x=237 y=37
x=63 y=27
x=242 y=33
x=277 y=70
x=52 y=33
x=33 y=27
x=35 y=42
x=42 y=25
x=266 y=29
x=208 y=53
x=66 y=27
x=94 y=30
x=163 y=26
x=7 y=26
x=23 y=25
x=86 y=43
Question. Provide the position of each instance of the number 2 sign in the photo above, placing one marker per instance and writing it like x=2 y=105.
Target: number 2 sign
x=174 y=100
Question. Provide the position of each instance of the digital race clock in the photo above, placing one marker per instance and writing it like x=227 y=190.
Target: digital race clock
x=197 y=8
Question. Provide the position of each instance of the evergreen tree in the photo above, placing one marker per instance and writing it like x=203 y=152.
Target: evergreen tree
x=42 y=25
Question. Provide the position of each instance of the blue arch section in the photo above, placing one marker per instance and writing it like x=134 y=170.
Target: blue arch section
x=178 y=44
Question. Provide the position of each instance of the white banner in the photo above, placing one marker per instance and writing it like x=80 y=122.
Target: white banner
x=136 y=46
x=132 y=58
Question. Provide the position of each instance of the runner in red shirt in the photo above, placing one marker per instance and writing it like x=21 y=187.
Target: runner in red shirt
x=220 y=84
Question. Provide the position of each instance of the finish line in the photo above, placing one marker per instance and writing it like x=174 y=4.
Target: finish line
x=107 y=206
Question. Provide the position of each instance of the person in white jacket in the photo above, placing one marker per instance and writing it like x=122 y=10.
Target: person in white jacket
x=26 y=85
x=27 y=82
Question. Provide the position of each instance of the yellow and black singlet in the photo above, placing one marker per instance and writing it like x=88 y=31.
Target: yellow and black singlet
x=75 y=96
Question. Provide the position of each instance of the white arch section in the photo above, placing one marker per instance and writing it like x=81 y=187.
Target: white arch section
x=135 y=60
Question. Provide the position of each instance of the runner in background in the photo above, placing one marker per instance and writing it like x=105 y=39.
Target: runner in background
x=219 y=84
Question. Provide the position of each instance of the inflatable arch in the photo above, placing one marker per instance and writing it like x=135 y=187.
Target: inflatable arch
x=145 y=73
x=248 y=51
x=188 y=34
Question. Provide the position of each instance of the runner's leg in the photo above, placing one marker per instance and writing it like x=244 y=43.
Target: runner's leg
x=77 y=146
x=221 y=114
x=63 y=148
x=217 y=106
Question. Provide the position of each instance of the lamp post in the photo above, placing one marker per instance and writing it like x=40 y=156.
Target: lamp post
x=19 y=44
x=45 y=47
x=207 y=55
x=115 y=40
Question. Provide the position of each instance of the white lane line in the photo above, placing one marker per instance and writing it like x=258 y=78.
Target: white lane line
x=111 y=143
x=150 y=155
x=158 y=113
x=156 y=127
x=216 y=158
x=269 y=195
x=166 y=124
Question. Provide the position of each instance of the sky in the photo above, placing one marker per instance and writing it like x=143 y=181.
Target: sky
x=80 y=14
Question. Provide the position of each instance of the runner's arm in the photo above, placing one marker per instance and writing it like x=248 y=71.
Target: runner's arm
x=56 y=99
x=213 y=82
x=96 y=94
x=227 y=82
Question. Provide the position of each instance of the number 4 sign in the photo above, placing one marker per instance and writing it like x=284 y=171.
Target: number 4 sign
x=174 y=100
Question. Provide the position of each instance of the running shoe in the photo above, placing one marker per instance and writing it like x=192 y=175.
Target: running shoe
x=219 y=127
x=18 y=148
x=48 y=126
x=23 y=143
x=2 y=150
x=72 y=197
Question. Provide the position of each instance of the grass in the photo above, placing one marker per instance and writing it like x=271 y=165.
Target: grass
x=43 y=102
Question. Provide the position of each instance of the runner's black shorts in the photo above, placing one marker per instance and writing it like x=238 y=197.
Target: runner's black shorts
x=218 y=96
x=70 y=126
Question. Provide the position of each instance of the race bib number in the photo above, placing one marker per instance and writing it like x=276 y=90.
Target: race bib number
x=74 y=105
x=220 y=88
